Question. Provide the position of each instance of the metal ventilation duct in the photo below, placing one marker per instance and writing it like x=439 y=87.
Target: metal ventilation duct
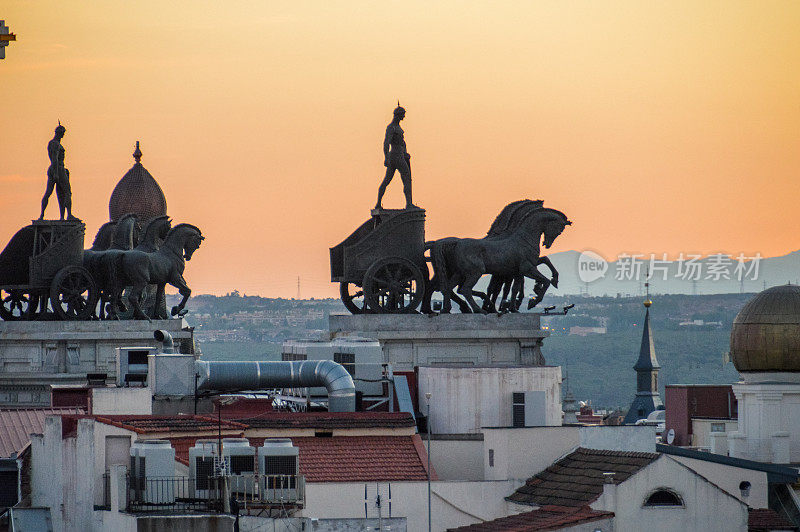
x=256 y=375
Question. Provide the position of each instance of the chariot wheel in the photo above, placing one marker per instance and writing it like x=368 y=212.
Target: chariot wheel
x=393 y=285
x=353 y=298
x=73 y=293
x=16 y=304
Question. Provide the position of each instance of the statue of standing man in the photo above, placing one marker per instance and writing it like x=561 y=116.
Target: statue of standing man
x=58 y=176
x=396 y=158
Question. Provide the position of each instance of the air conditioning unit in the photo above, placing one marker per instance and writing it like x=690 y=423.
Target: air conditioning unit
x=203 y=464
x=279 y=466
x=152 y=472
x=132 y=365
x=240 y=461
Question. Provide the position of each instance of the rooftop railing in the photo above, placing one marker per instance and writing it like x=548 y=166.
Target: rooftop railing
x=213 y=494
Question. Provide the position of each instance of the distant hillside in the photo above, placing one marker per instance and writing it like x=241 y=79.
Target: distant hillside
x=771 y=271
x=600 y=366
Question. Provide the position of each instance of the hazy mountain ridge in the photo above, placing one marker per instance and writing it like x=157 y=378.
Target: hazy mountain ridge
x=771 y=271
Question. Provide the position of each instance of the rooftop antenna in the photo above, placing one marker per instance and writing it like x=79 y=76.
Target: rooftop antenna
x=298 y=287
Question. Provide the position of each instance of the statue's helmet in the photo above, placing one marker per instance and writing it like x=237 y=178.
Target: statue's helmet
x=60 y=129
x=399 y=110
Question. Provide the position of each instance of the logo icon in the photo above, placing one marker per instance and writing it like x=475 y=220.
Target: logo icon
x=591 y=266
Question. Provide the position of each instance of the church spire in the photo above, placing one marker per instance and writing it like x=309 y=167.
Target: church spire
x=647 y=397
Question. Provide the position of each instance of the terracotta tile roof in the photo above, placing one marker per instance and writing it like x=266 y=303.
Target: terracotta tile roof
x=362 y=458
x=545 y=518
x=348 y=458
x=329 y=420
x=765 y=520
x=577 y=479
x=16 y=426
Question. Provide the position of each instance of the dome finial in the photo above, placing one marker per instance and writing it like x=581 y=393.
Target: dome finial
x=647 y=301
x=137 y=154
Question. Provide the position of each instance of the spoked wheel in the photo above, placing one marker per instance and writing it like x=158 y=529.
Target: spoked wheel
x=352 y=297
x=394 y=285
x=15 y=304
x=73 y=294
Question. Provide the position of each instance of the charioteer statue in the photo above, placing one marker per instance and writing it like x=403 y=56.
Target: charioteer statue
x=58 y=176
x=396 y=159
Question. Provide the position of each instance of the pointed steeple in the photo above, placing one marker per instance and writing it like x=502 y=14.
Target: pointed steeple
x=647 y=352
x=647 y=397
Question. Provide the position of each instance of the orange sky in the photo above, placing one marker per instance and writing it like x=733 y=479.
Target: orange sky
x=656 y=126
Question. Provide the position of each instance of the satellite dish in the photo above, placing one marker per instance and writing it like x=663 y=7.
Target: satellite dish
x=670 y=436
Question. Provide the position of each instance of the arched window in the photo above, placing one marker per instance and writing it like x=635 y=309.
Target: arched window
x=663 y=497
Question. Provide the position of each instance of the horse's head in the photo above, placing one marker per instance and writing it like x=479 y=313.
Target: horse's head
x=159 y=227
x=126 y=232
x=192 y=243
x=102 y=240
x=186 y=237
x=553 y=227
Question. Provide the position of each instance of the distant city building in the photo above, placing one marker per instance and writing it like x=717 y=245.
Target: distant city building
x=585 y=331
x=647 y=398
x=692 y=407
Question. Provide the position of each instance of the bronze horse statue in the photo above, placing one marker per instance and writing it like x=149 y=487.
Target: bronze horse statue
x=124 y=237
x=510 y=252
x=152 y=238
x=138 y=269
x=509 y=219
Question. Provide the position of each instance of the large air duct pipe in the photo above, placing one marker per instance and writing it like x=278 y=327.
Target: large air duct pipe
x=255 y=375
x=167 y=345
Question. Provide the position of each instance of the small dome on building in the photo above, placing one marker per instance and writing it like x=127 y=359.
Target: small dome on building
x=765 y=336
x=137 y=192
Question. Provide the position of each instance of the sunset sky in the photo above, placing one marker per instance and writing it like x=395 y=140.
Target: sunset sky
x=656 y=126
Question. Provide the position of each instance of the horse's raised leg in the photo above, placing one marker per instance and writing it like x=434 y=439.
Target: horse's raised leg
x=178 y=282
x=542 y=283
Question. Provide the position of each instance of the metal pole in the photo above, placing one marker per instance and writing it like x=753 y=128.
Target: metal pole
x=428 y=424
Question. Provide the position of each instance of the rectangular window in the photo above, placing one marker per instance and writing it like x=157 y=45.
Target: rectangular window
x=292 y=357
x=518 y=409
x=348 y=360
x=491 y=457
x=718 y=427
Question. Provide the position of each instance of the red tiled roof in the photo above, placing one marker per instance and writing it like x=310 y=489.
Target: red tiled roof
x=329 y=420
x=348 y=458
x=16 y=426
x=577 y=479
x=765 y=520
x=545 y=518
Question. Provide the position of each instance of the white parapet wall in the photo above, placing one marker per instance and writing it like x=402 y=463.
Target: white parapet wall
x=37 y=354
x=466 y=399
x=409 y=340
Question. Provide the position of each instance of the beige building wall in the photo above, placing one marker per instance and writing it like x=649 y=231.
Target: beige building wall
x=456 y=459
x=453 y=504
x=701 y=430
x=466 y=399
x=706 y=507
x=729 y=477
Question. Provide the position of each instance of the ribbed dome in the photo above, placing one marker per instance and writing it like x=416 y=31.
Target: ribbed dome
x=137 y=192
x=765 y=336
